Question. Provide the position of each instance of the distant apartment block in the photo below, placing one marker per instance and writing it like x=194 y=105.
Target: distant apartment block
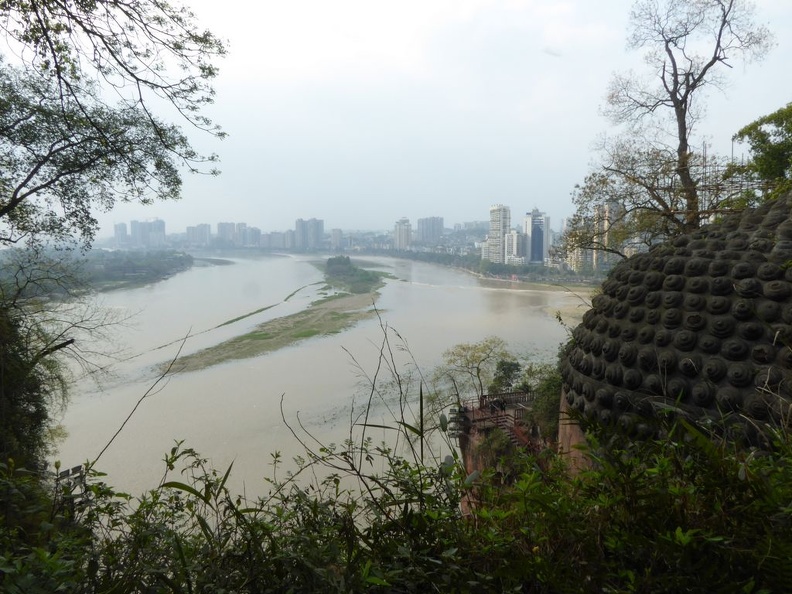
x=499 y=226
x=605 y=217
x=475 y=226
x=429 y=230
x=120 y=235
x=308 y=235
x=402 y=235
x=581 y=260
x=226 y=233
x=336 y=240
x=199 y=235
x=239 y=234
x=274 y=240
x=252 y=237
x=148 y=234
x=514 y=247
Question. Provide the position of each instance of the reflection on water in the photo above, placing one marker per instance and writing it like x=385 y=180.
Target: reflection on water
x=231 y=412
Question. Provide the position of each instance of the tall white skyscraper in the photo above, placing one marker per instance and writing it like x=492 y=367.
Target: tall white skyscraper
x=402 y=235
x=500 y=225
x=514 y=247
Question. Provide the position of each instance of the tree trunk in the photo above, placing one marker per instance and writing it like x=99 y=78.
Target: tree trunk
x=689 y=187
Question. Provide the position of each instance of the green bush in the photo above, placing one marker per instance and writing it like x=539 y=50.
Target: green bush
x=682 y=513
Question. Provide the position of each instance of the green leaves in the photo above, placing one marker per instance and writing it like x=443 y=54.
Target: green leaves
x=770 y=141
x=64 y=157
x=657 y=516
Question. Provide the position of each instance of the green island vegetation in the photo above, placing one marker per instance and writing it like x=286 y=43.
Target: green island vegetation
x=331 y=314
x=342 y=273
x=688 y=511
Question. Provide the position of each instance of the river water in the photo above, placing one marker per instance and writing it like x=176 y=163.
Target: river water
x=232 y=412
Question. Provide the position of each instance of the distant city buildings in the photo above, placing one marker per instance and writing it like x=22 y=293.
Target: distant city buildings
x=120 y=235
x=494 y=240
x=514 y=243
x=499 y=227
x=308 y=235
x=402 y=235
x=536 y=228
x=605 y=215
x=199 y=235
x=143 y=234
x=518 y=247
x=336 y=240
x=225 y=233
x=429 y=230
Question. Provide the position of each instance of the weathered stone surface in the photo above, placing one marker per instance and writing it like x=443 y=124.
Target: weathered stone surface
x=702 y=323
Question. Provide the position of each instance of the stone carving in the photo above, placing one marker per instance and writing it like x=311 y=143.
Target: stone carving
x=702 y=323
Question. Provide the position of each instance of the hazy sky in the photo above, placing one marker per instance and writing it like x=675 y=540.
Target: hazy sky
x=362 y=112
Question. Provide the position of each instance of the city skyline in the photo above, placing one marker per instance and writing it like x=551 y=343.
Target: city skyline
x=387 y=226
x=363 y=113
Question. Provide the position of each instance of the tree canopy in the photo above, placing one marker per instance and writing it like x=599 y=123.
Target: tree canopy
x=79 y=81
x=77 y=132
x=770 y=141
x=65 y=156
x=471 y=367
x=140 y=49
x=655 y=179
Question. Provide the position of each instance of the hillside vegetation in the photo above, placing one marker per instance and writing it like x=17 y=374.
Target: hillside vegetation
x=684 y=513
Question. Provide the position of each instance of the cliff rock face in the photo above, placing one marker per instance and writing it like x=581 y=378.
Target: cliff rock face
x=702 y=324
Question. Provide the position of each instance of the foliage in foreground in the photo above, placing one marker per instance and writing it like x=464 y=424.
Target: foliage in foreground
x=684 y=513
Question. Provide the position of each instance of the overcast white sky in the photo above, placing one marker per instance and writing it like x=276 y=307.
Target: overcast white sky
x=360 y=112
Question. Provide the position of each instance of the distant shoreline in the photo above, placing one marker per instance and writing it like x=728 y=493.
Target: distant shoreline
x=205 y=261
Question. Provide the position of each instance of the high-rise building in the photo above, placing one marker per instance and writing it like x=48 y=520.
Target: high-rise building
x=430 y=230
x=308 y=235
x=536 y=228
x=500 y=225
x=514 y=248
x=240 y=234
x=252 y=237
x=203 y=233
x=275 y=240
x=135 y=233
x=225 y=233
x=156 y=235
x=148 y=233
x=289 y=240
x=336 y=240
x=605 y=215
x=402 y=235
x=315 y=234
x=120 y=234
